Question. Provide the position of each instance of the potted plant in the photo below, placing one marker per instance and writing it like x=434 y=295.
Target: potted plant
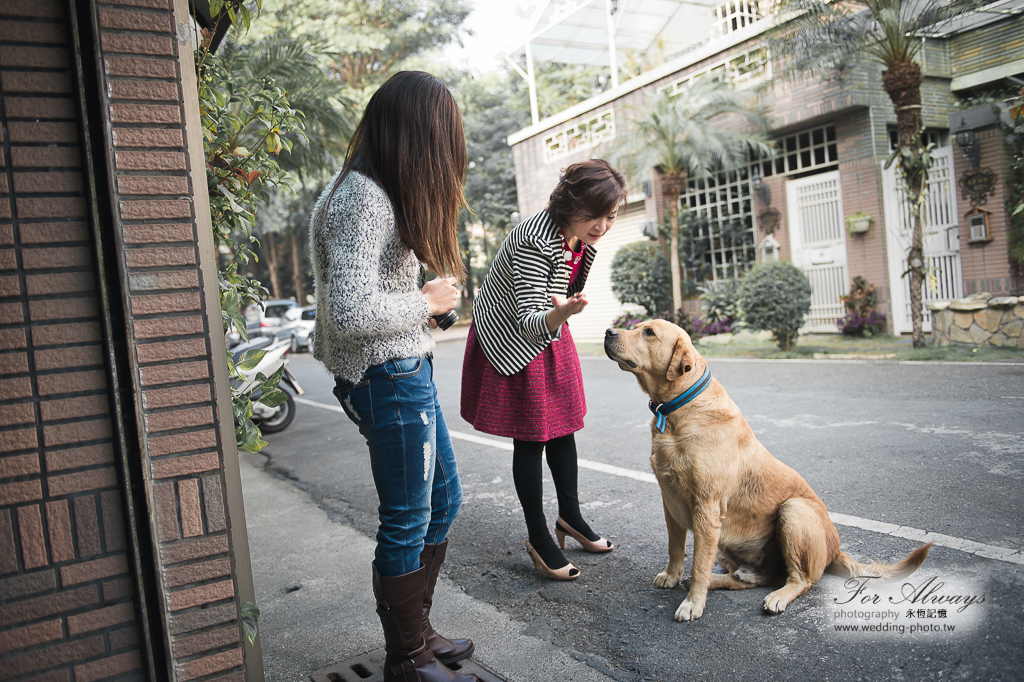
x=861 y=318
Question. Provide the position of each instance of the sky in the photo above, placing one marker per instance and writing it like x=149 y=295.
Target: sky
x=498 y=25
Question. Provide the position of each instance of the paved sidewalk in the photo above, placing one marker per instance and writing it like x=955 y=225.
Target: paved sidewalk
x=312 y=581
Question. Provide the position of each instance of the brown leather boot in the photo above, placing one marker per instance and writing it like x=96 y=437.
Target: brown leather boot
x=400 y=608
x=445 y=650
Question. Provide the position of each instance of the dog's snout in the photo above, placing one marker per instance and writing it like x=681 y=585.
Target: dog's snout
x=611 y=332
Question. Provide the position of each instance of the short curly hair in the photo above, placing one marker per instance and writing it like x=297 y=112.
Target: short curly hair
x=587 y=190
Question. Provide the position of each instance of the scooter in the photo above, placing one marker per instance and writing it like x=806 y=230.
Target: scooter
x=269 y=419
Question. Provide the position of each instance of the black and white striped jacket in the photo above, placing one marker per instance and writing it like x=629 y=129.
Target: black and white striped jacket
x=510 y=310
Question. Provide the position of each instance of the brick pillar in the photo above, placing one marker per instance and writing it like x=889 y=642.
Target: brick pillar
x=122 y=535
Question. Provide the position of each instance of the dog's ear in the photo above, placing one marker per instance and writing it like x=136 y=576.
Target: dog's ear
x=682 y=360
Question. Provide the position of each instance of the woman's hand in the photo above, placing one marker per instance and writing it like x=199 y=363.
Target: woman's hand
x=563 y=309
x=441 y=294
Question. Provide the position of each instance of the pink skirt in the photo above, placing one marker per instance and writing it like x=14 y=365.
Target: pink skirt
x=544 y=400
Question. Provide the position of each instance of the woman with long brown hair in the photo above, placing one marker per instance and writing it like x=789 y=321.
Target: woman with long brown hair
x=389 y=210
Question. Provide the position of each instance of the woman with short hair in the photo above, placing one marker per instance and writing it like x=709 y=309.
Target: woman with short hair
x=521 y=375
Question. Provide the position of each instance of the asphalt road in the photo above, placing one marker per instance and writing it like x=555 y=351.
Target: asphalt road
x=924 y=447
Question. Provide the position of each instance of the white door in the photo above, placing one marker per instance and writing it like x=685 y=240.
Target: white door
x=818 y=242
x=941 y=239
x=602 y=304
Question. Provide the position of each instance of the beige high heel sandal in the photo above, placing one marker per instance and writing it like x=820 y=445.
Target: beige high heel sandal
x=599 y=546
x=567 y=572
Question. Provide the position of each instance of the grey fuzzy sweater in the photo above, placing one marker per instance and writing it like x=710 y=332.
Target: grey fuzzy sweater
x=369 y=307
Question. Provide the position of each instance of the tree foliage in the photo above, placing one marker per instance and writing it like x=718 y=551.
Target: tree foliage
x=776 y=296
x=706 y=127
x=1015 y=203
x=368 y=39
x=295 y=64
x=246 y=125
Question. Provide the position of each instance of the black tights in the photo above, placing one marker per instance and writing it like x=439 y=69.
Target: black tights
x=527 y=474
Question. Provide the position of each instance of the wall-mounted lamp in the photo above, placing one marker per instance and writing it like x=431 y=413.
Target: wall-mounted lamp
x=514 y=218
x=968 y=143
x=647 y=188
x=762 y=190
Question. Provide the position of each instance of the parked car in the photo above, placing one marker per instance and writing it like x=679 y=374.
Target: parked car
x=267 y=321
x=298 y=323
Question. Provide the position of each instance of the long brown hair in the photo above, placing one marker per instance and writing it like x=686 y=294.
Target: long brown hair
x=588 y=190
x=410 y=141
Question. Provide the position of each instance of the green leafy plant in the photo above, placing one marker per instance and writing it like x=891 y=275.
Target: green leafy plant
x=776 y=297
x=250 y=621
x=720 y=301
x=245 y=126
x=640 y=275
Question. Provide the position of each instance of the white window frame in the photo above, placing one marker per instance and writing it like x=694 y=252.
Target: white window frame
x=735 y=69
x=734 y=15
x=584 y=134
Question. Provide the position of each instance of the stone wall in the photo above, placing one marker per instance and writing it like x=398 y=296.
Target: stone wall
x=979 y=320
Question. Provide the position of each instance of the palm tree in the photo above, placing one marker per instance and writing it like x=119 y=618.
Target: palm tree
x=297 y=65
x=685 y=136
x=827 y=37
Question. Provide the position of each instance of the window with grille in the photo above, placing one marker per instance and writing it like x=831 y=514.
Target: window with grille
x=804 y=151
x=732 y=16
x=581 y=135
x=717 y=214
x=742 y=70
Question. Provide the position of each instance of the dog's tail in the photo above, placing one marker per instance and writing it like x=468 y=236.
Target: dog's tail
x=846 y=567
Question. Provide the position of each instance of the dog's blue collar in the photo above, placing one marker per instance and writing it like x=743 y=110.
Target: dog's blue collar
x=660 y=411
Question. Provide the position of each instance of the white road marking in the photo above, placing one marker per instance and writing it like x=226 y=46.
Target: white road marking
x=322 y=406
x=800 y=361
x=980 y=549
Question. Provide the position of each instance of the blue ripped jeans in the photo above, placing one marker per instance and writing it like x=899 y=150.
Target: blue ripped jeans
x=395 y=407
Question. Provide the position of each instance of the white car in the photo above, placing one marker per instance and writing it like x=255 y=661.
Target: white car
x=298 y=323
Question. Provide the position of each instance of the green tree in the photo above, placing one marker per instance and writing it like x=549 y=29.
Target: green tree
x=368 y=39
x=490 y=114
x=560 y=86
x=295 y=64
x=246 y=125
x=708 y=126
x=827 y=38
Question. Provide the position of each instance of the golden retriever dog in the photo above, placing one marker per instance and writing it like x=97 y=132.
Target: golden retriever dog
x=760 y=517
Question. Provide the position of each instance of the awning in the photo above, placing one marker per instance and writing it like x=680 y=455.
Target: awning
x=577 y=31
x=593 y=32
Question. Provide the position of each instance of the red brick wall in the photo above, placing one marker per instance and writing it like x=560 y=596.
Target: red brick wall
x=69 y=607
x=68 y=601
x=987 y=265
x=169 y=330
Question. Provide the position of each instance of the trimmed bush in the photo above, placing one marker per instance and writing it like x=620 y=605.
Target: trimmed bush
x=641 y=275
x=776 y=297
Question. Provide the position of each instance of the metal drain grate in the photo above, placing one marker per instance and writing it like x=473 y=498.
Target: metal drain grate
x=370 y=668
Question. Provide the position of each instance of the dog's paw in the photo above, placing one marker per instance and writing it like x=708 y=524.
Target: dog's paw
x=666 y=580
x=689 y=610
x=775 y=603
